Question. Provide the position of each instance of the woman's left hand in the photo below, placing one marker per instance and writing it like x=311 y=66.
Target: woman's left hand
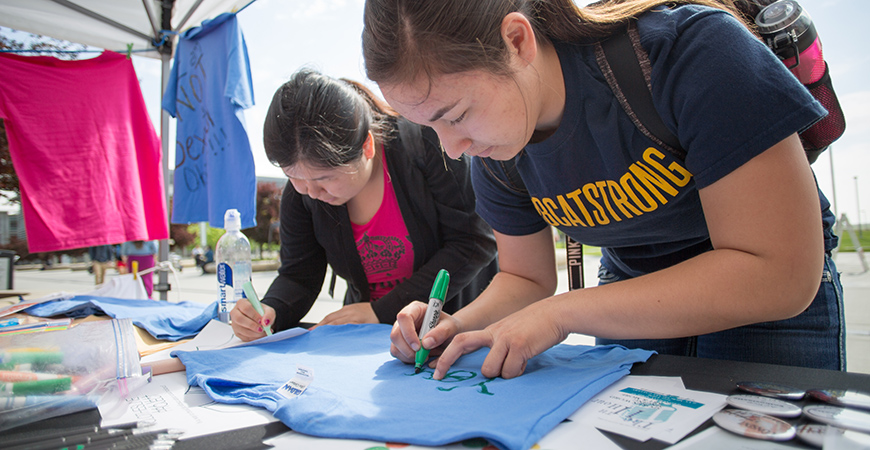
x=512 y=342
x=353 y=313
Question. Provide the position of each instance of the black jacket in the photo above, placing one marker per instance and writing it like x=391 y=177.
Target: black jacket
x=437 y=202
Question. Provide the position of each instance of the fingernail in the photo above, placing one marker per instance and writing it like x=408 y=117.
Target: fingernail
x=260 y=329
x=268 y=321
x=428 y=342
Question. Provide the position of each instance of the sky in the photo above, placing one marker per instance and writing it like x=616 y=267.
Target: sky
x=283 y=36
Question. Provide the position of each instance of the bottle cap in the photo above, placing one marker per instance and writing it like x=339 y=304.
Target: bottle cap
x=783 y=23
x=754 y=425
x=764 y=405
x=771 y=390
x=232 y=220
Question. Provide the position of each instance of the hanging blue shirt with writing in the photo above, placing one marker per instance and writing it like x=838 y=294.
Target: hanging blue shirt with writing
x=356 y=390
x=209 y=87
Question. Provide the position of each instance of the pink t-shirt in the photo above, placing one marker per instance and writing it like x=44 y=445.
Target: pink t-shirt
x=87 y=156
x=384 y=245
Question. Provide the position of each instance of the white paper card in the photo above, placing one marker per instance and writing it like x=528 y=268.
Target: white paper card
x=642 y=408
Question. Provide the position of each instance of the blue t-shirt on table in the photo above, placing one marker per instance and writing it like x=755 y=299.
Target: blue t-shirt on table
x=359 y=391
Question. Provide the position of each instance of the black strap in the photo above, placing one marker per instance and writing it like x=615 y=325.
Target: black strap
x=623 y=71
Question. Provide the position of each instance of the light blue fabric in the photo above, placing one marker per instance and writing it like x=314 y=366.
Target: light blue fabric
x=209 y=87
x=359 y=391
x=148 y=248
x=163 y=320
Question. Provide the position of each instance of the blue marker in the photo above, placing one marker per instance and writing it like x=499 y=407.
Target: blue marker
x=433 y=313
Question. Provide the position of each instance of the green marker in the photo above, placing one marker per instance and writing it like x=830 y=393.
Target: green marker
x=433 y=313
x=255 y=302
x=28 y=356
x=35 y=387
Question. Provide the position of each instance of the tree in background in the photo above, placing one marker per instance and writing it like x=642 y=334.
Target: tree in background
x=181 y=237
x=268 y=213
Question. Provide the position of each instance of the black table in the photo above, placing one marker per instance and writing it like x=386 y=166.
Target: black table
x=697 y=373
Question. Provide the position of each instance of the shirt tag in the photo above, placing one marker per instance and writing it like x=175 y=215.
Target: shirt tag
x=297 y=385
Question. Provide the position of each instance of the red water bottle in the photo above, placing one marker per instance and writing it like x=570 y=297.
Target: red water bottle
x=789 y=31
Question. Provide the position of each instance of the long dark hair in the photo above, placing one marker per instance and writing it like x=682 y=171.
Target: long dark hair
x=405 y=38
x=322 y=121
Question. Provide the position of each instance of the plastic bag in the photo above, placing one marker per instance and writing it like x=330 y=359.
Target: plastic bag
x=49 y=374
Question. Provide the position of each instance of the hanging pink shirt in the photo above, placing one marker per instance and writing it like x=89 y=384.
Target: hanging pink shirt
x=85 y=151
x=384 y=246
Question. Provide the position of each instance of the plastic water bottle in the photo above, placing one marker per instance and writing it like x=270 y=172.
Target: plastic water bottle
x=233 y=257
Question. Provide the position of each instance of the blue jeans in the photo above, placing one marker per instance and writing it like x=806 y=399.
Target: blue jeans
x=815 y=338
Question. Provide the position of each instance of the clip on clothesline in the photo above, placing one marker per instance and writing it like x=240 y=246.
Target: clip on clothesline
x=161 y=265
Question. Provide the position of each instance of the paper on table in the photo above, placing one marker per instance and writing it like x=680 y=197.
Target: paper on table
x=168 y=402
x=643 y=407
x=563 y=437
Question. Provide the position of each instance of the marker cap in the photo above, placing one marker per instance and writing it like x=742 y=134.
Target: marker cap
x=439 y=288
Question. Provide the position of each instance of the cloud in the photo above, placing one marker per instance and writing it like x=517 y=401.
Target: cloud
x=318 y=8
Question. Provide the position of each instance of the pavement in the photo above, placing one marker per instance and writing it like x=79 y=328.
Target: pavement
x=191 y=285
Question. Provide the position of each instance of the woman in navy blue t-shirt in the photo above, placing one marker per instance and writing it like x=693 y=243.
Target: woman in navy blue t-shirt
x=718 y=254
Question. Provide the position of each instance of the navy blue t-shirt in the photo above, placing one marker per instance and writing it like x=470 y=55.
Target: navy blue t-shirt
x=602 y=182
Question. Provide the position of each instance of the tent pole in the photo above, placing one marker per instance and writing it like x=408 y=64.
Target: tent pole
x=163 y=251
x=166 y=59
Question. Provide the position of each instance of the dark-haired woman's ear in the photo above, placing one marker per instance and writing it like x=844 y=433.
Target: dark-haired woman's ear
x=369 y=146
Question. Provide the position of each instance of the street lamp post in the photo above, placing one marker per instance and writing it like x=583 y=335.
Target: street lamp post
x=858 y=204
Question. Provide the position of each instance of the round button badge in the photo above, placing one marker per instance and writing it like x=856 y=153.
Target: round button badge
x=839 y=417
x=814 y=433
x=854 y=399
x=764 y=405
x=771 y=390
x=754 y=425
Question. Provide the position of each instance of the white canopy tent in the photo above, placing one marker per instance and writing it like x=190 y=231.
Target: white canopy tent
x=148 y=27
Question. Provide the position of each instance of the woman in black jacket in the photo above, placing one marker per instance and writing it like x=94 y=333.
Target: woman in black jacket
x=371 y=195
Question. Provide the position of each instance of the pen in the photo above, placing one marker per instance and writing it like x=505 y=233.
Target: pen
x=255 y=302
x=433 y=313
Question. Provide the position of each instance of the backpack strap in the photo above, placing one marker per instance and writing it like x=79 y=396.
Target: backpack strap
x=626 y=67
x=514 y=182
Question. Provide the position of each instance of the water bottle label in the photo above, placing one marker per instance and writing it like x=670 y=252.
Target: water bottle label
x=225 y=285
